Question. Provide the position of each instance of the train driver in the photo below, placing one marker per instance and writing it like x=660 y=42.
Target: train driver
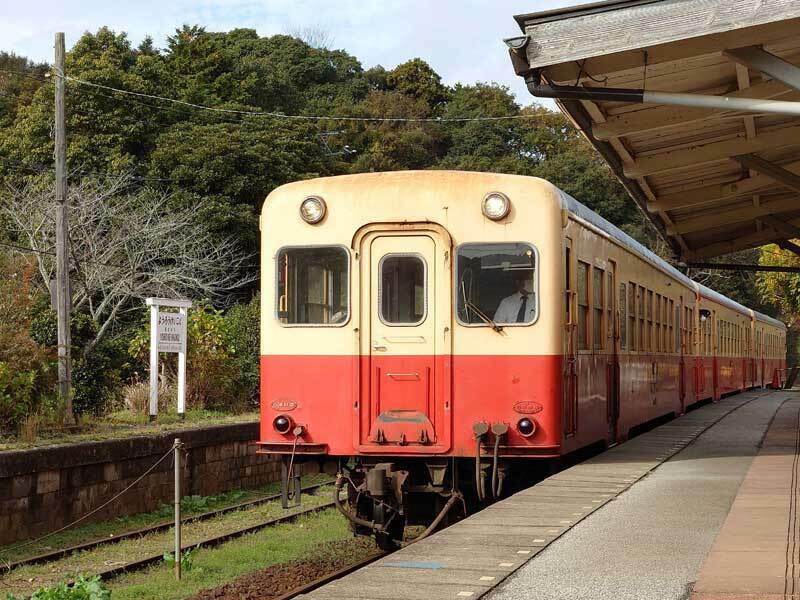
x=519 y=307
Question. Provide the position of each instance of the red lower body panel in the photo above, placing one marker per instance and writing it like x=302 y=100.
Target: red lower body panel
x=344 y=411
x=334 y=398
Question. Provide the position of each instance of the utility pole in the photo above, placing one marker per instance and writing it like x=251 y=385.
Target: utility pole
x=176 y=448
x=63 y=297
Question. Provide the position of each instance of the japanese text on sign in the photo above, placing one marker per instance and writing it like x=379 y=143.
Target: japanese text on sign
x=171 y=332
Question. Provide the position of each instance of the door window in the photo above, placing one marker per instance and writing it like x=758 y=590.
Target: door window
x=583 y=305
x=401 y=293
x=597 y=313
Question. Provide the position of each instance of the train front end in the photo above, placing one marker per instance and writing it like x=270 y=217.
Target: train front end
x=411 y=337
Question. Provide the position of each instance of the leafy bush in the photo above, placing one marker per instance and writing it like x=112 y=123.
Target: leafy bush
x=17 y=395
x=43 y=328
x=210 y=354
x=97 y=372
x=85 y=588
x=213 y=378
x=95 y=382
x=187 y=559
x=27 y=369
x=244 y=331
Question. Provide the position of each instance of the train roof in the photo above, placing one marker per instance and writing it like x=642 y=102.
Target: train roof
x=585 y=213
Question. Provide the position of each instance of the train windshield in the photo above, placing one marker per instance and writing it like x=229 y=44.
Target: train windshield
x=312 y=285
x=496 y=282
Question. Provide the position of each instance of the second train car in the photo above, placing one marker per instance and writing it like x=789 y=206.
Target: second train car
x=435 y=333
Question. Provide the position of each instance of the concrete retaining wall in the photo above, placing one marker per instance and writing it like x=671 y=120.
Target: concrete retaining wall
x=43 y=489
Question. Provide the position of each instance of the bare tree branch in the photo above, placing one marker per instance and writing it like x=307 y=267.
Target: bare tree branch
x=315 y=36
x=127 y=245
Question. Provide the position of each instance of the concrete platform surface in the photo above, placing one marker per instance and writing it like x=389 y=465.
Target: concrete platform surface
x=636 y=521
x=652 y=540
x=757 y=552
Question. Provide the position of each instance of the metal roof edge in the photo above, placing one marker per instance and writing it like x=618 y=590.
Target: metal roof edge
x=567 y=12
x=588 y=215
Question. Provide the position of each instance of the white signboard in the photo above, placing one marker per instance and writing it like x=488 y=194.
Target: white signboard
x=167 y=334
x=171 y=332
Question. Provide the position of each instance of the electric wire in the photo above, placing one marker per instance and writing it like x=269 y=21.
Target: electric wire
x=26 y=249
x=42 y=78
x=295 y=117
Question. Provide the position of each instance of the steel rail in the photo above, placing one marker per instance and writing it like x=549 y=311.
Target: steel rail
x=210 y=542
x=159 y=527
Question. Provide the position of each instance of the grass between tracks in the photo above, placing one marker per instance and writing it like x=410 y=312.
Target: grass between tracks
x=28 y=578
x=190 y=505
x=212 y=567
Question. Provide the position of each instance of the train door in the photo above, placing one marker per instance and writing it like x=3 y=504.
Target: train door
x=744 y=351
x=715 y=362
x=700 y=349
x=405 y=314
x=570 y=384
x=680 y=329
x=612 y=343
x=761 y=357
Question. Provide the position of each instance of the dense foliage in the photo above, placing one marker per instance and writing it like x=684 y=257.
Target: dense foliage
x=26 y=368
x=232 y=161
x=222 y=356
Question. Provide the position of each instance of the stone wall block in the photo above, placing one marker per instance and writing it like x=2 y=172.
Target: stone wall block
x=21 y=485
x=47 y=481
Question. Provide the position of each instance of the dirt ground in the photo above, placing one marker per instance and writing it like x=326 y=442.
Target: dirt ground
x=279 y=579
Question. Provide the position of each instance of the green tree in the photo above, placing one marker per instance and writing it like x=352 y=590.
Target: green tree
x=415 y=78
x=782 y=290
x=19 y=80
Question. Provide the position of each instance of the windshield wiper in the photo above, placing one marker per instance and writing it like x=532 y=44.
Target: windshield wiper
x=483 y=317
x=470 y=306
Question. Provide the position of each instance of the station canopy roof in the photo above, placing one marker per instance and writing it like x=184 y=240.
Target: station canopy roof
x=694 y=104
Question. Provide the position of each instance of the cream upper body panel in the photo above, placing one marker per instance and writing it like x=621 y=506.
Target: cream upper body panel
x=451 y=203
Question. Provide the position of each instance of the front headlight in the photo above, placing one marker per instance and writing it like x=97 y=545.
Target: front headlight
x=312 y=210
x=496 y=206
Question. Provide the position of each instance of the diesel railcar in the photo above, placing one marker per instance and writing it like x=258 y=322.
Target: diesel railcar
x=436 y=333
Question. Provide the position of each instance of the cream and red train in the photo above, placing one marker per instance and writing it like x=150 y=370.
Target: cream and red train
x=434 y=331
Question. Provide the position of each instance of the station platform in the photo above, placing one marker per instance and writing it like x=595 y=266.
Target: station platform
x=655 y=517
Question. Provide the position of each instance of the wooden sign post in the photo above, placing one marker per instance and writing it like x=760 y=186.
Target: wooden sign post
x=168 y=334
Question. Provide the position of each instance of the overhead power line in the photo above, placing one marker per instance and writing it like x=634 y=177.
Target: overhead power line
x=278 y=115
x=27 y=249
x=24 y=74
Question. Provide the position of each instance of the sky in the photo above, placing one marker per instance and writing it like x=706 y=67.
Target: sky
x=460 y=39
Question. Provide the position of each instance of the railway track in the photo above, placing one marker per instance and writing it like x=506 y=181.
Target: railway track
x=166 y=525
x=210 y=542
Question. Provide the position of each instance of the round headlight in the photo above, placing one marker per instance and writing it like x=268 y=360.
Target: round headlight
x=526 y=427
x=282 y=424
x=312 y=209
x=496 y=206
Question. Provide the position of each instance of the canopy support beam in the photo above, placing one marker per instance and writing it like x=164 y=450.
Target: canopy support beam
x=640 y=96
x=789 y=247
x=785 y=227
x=776 y=172
x=759 y=59
x=738 y=267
